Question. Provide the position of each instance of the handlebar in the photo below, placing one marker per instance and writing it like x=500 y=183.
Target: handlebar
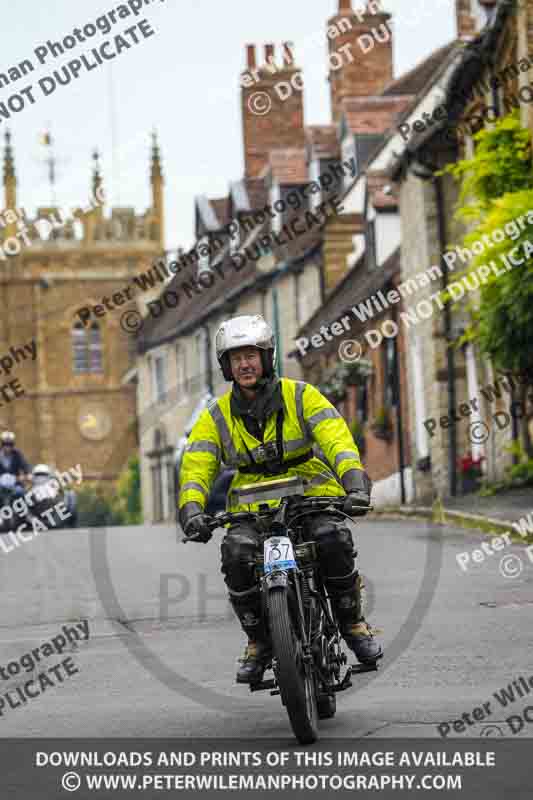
x=309 y=502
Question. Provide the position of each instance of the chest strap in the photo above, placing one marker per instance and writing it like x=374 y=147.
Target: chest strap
x=278 y=469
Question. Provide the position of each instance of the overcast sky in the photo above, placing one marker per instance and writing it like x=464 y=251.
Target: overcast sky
x=184 y=80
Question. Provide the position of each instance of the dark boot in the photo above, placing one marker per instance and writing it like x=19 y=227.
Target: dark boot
x=257 y=654
x=345 y=594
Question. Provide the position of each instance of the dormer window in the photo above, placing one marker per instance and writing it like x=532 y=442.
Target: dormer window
x=203 y=254
x=349 y=156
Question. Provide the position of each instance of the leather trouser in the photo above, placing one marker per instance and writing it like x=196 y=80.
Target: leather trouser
x=241 y=546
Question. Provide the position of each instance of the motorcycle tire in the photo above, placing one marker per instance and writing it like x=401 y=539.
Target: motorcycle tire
x=296 y=682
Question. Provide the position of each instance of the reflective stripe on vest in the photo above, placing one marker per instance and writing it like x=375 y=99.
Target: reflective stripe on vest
x=204 y=447
x=231 y=457
x=195 y=486
x=326 y=413
x=344 y=456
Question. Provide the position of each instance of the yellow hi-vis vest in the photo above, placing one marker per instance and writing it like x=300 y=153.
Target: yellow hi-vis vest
x=309 y=418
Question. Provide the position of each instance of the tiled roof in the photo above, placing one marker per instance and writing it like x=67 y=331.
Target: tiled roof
x=221 y=207
x=414 y=81
x=373 y=115
x=192 y=307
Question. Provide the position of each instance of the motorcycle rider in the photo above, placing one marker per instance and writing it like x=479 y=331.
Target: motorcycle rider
x=12 y=461
x=266 y=427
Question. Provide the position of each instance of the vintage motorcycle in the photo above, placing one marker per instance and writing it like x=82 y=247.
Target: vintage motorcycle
x=307 y=658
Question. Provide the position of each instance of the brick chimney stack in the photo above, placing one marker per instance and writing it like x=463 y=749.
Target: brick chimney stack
x=472 y=15
x=360 y=52
x=466 y=24
x=272 y=106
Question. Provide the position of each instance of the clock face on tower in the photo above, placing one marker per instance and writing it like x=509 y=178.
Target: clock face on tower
x=94 y=422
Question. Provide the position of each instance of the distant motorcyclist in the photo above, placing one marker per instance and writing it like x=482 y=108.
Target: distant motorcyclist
x=13 y=462
x=266 y=427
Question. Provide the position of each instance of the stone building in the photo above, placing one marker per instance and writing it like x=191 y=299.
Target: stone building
x=285 y=278
x=371 y=392
x=477 y=87
x=75 y=406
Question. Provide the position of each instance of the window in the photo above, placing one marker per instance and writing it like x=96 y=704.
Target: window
x=87 y=349
x=163 y=484
x=181 y=371
x=235 y=236
x=203 y=253
x=349 y=156
x=159 y=378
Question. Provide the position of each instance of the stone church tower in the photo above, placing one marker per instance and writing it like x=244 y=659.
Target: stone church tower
x=67 y=398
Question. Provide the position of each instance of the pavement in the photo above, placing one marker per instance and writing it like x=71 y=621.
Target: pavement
x=507 y=506
x=493 y=514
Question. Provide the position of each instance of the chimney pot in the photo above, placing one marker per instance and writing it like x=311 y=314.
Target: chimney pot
x=269 y=53
x=250 y=56
x=345 y=5
x=288 y=55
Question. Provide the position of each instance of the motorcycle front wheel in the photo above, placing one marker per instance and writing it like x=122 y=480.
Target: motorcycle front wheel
x=295 y=679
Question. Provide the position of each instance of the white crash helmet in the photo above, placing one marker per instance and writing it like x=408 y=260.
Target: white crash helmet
x=246 y=331
x=7 y=437
x=41 y=470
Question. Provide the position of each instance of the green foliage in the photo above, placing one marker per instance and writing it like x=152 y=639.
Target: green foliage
x=501 y=165
x=95 y=509
x=99 y=507
x=497 y=189
x=127 y=501
x=522 y=473
x=358 y=432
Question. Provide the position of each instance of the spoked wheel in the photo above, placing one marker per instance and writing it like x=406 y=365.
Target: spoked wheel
x=295 y=678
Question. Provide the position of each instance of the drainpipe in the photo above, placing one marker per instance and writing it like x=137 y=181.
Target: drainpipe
x=426 y=171
x=209 y=365
x=277 y=331
x=398 y=404
x=450 y=352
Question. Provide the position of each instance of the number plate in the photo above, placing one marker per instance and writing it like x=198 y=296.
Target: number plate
x=279 y=554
